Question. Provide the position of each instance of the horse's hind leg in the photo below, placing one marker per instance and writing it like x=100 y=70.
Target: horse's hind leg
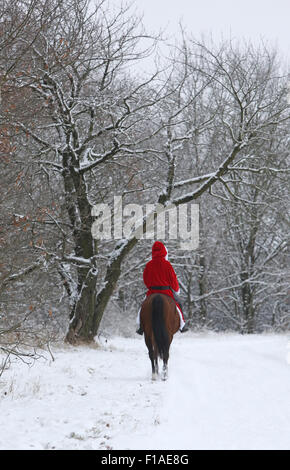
x=154 y=363
x=164 y=371
x=156 y=366
x=165 y=366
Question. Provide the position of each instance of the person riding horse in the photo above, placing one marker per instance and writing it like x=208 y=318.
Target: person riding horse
x=160 y=277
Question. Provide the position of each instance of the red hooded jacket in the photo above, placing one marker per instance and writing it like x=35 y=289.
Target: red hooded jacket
x=159 y=272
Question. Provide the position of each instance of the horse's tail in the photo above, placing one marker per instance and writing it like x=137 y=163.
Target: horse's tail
x=159 y=329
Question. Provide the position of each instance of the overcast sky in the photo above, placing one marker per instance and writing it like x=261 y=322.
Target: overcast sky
x=251 y=19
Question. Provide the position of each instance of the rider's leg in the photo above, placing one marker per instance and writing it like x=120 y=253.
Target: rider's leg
x=183 y=327
x=181 y=319
x=139 y=327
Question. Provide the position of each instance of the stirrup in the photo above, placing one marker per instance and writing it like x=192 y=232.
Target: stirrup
x=140 y=331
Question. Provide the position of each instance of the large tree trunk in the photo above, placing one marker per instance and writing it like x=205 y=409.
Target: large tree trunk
x=81 y=327
x=79 y=211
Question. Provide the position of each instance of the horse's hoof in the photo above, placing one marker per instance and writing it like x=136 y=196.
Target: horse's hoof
x=154 y=377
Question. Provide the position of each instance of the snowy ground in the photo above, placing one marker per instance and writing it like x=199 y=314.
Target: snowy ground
x=223 y=392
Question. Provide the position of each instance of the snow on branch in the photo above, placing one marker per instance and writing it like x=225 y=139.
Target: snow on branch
x=196 y=179
x=212 y=178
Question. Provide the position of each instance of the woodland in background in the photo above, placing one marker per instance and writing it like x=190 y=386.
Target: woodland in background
x=84 y=119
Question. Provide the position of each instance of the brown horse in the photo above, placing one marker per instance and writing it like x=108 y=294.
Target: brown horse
x=160 y=321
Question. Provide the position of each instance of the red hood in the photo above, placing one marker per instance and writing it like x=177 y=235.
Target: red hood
x=158 y=249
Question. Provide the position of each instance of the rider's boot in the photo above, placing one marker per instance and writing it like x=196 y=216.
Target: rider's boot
x=140 y=331
x=185 y=328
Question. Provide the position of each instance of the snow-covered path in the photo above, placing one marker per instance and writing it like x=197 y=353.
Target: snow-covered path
x=223 y=392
